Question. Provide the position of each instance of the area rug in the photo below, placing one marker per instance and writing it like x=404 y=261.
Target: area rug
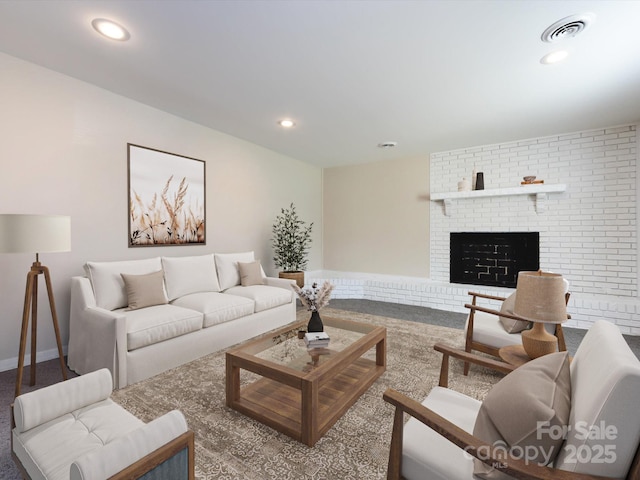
x=232 y=446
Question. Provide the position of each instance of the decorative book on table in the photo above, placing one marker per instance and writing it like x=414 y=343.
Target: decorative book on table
x=316 y=339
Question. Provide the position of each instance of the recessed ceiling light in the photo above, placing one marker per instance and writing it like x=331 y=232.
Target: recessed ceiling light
x=554 y=57
x=110 y=29
x=286 y=123
x=387 y=144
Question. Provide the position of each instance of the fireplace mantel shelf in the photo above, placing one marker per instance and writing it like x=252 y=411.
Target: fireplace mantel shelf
x=540 y=191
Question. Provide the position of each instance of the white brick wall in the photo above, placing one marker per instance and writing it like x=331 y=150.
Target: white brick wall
x=589 y=233
x=584 y=309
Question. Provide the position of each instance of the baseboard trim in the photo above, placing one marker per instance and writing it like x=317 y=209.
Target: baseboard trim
x=44 y=356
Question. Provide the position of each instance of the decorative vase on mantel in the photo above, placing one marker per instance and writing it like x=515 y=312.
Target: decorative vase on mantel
x=315 y=323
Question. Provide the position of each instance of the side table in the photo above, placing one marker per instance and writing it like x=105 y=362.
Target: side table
x=514 y=355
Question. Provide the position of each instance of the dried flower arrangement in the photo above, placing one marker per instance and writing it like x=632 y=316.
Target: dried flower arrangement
x=314 y=298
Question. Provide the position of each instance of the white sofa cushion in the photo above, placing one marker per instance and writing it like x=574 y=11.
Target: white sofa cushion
x=264 y=296
x=40 y=406
x=107 y=283
x=48 y=450
x=119 y=454
x=216 y=307
x=185 y=275
x=429 y=455
x=227 y=267
x=154 y=324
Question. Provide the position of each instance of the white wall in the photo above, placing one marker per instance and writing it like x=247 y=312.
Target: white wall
x=64 y=151
x=376 y=217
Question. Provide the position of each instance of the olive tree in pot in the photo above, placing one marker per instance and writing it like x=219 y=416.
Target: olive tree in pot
x=291 y=239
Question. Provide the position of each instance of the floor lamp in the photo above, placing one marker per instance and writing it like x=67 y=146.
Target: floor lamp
x=35 y=234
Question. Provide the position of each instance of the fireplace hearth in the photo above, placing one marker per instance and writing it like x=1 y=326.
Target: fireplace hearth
x=492 y=258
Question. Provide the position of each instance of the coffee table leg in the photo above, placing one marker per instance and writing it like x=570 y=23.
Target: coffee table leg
x=381 y=352
x=232 y=382
x=309 y=413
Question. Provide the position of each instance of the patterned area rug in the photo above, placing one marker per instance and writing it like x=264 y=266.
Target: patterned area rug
x=232 y=446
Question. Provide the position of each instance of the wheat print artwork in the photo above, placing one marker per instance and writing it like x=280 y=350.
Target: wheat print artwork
x=166 y=198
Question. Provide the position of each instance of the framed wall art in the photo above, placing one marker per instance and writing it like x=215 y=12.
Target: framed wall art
x=166 y=198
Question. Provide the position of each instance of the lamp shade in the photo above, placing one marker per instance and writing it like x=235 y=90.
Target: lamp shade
x=540 y=297
x=34 y=233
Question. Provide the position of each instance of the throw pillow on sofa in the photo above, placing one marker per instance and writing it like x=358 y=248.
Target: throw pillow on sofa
x=145 y=290
x=227 y=267
x=250 y=273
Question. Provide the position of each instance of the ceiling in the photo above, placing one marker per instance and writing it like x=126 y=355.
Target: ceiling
x=430 y=75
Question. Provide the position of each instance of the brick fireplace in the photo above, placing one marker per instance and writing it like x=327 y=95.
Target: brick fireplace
x=588 y=232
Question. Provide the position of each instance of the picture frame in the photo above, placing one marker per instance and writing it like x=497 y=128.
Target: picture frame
x=166 y=198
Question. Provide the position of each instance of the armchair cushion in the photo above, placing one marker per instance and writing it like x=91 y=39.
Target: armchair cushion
x=426 y=454
x=538 y=393
x=119 y=454
x=144 y=290
x=41 y=406
x=512 y=325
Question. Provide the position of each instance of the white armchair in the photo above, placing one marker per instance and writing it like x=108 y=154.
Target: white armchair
x=600 y=439
x=73 y=430
x=485 y=327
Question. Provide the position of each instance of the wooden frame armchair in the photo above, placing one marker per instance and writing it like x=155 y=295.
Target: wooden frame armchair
x=485 y=333
x=436 y=443
x=74 y=430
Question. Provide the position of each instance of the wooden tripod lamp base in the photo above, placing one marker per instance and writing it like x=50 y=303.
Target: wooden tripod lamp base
x=31 y=304
x=26 y=233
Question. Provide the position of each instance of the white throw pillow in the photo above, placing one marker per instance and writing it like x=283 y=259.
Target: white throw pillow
x=186 y=275
x=227 y=266
x=107 y=283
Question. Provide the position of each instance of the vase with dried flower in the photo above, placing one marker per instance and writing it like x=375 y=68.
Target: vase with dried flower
x=313 y=299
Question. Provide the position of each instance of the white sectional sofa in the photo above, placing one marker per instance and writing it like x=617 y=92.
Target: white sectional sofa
x=139 y=318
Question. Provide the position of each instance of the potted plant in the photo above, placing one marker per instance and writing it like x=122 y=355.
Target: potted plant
x=291 y=239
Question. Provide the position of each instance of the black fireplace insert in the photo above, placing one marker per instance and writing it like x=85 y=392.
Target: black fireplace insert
x=492 y=258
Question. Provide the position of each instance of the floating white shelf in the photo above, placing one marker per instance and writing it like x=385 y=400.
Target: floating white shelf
x=539 y=190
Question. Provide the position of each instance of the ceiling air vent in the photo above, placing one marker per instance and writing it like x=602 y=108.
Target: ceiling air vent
x=568 y=27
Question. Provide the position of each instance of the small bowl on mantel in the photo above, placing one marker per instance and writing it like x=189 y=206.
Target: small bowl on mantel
x=529 y=178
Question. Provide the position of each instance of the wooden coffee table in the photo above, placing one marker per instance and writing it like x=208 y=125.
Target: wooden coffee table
x=302 y=392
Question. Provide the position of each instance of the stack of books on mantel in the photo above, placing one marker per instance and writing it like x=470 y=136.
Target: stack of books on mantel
x=316 y=339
